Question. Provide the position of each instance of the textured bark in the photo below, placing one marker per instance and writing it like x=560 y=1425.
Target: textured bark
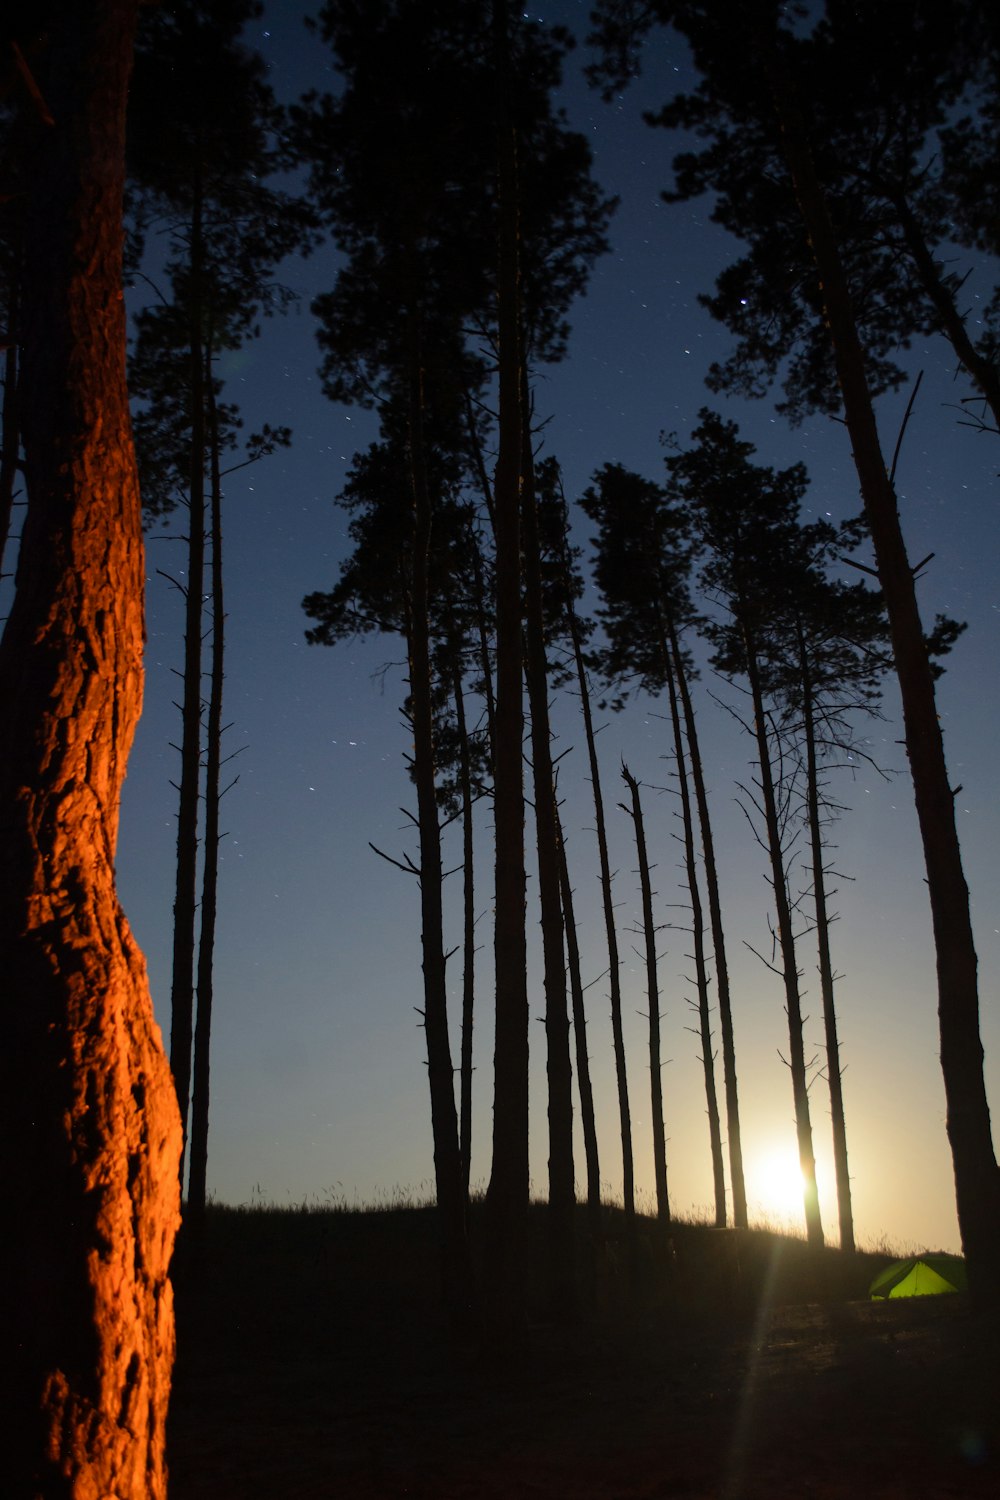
x=653 y=994
x=88 y=1116
x=977 y=1178
x=736 y=1176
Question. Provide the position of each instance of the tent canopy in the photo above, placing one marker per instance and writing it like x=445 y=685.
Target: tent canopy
x=920 y=1276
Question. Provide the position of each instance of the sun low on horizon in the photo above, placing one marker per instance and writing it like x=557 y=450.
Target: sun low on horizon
x=775 y=1186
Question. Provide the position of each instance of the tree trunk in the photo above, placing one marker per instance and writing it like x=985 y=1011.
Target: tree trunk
x=977 y=1178
x=703 y=1008
x=653 y=992
x=833 y=1069
x=507 y=1195
x=468 y=932
x=198 y=1168
x=737 y=1180
x=559 y=1070
x=614 y=962
x=88 y=1115
x=451 y=1200
x=588 y=1121
x=786 y=941
x=186 y=886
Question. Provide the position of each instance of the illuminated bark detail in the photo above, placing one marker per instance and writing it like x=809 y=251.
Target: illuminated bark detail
x=89 y=1118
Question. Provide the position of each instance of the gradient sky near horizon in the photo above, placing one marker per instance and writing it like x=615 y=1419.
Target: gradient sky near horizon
x=319 y=1085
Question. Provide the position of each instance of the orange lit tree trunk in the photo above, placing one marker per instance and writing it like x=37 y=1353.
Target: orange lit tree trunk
x=89 y=1119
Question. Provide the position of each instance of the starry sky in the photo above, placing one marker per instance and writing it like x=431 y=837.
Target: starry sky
x=319 y=1086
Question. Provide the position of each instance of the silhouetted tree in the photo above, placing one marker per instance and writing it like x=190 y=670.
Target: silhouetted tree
x=759 y=89
x=89 y=1119
x=202 y=143
x=642 y=570
x=746 y=517
x=649 y=930
x=564 y=591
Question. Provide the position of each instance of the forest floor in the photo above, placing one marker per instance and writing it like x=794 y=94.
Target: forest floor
x=313 y=1364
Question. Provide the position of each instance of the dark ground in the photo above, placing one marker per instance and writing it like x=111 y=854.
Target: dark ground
x=312 y=1366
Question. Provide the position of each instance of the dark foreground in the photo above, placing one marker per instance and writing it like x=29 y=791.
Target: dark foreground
x=312 y=1365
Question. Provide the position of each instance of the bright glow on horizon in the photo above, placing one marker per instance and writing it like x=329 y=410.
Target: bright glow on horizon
x=775 y=1186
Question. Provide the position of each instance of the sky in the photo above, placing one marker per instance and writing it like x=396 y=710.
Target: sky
x=319 y=1089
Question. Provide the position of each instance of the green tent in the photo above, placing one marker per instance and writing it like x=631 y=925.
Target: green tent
x=920 y=1276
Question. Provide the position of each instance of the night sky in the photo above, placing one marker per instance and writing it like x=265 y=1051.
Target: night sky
x=319 y=1087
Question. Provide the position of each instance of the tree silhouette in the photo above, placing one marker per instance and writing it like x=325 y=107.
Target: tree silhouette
x=202 y=144
x=649 y=930
x=642 y=570
x=89 y=1117
x=746 y=518
x=764 y=98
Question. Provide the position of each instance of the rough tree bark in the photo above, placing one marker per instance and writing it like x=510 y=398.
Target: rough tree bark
x=88 y=1116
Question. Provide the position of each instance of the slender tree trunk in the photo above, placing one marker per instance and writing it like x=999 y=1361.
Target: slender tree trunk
x=614 y=962
x=786 y=940
x=833 y=1069
x=653 y=992
x=588 y=1120
x=718 y=941
x=559 y=1070
x=88 y=1116
x=198 y=1164
x=186 y=885
x=507 y=1195
x=977 y=1178
x=451 y=1199
x=703 y=1007
x=468 y=931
